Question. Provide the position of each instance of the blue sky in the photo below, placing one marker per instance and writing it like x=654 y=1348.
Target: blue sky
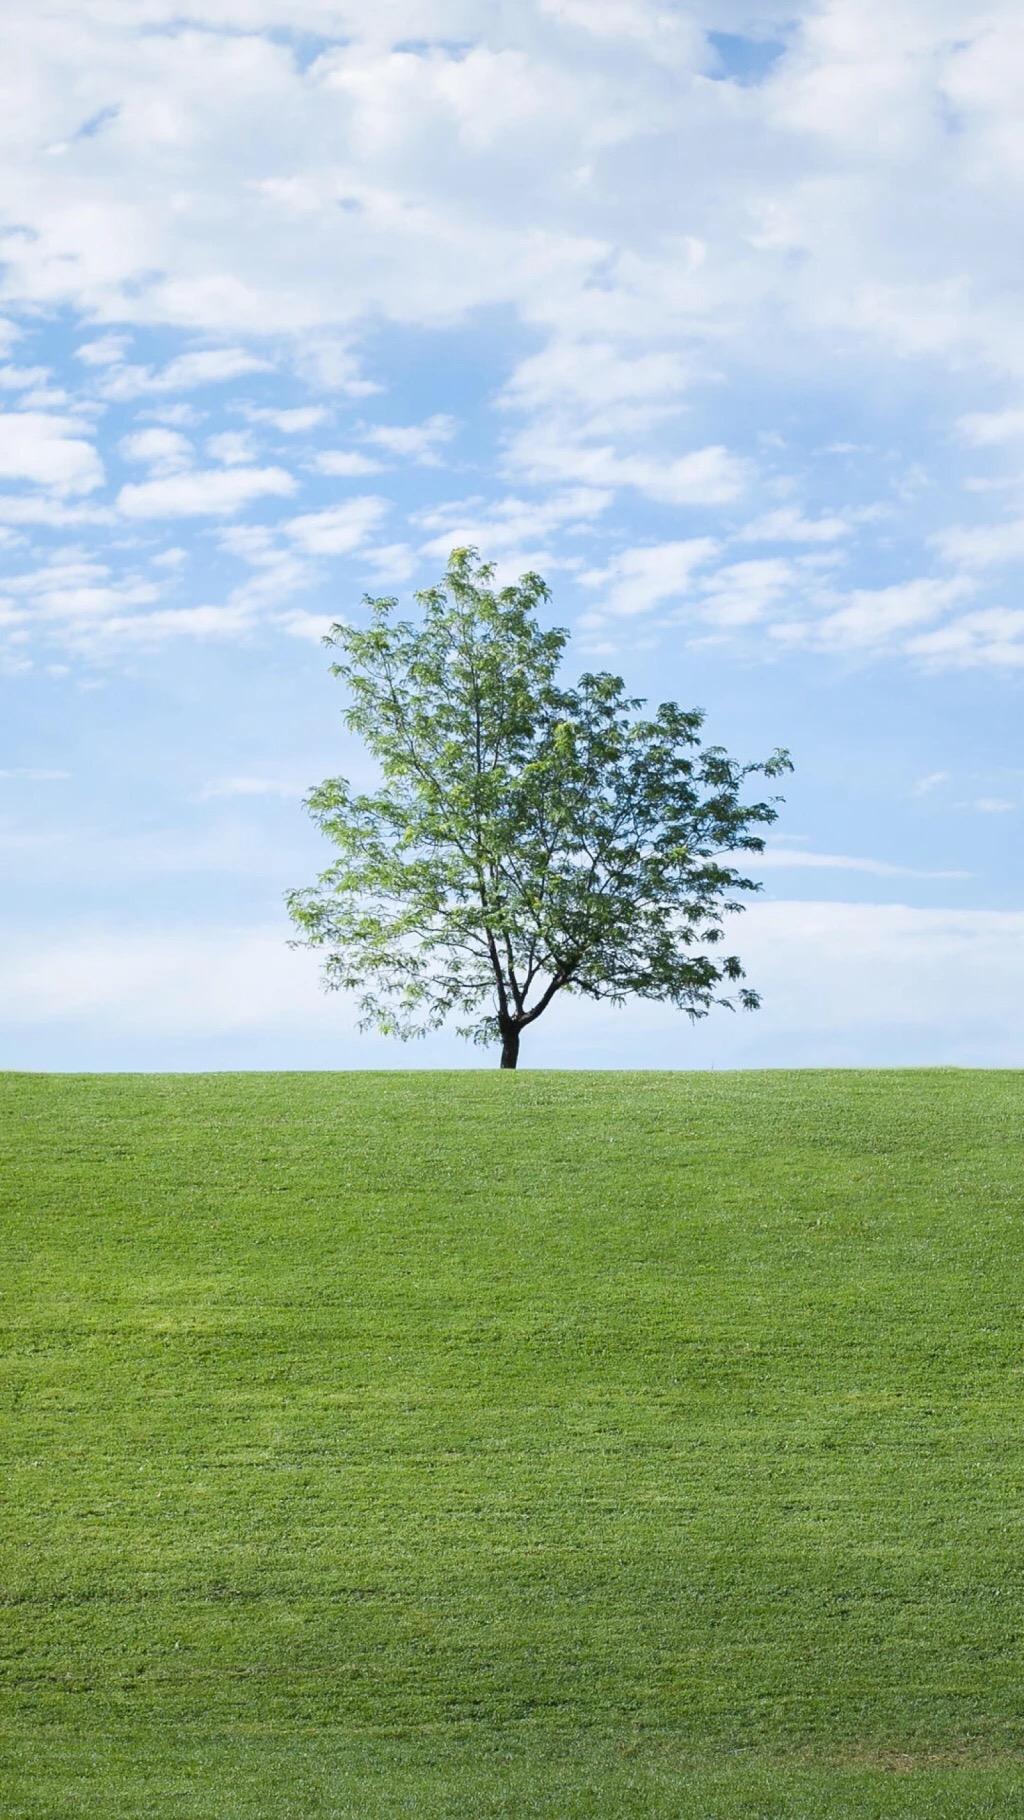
x=710 y=312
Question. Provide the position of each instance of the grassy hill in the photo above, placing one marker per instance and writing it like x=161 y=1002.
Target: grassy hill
x=539 y=1444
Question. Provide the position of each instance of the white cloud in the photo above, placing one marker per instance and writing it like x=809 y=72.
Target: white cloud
x=176 y=416
x=984 y=428
x=209 y=366
x=186 y=373
x=49 y=451
x=983 y=546
x=273 y=582
x=599 y=377
x=391 y=563
x=255 y=544
x=94 y=606
x=990 y=638
x=107 y=351
x=277 y=571
x=52 y=398
x=676 y=262
x=165 y=451
x=420 y=442
x=114 y=632
x=290 y=422
x=345 y=464
x=863 y=983
x=801 y=859
x=994 y=805
x=77 y=595
x=498 y=527
x=740 y=593
x=843 y=984
x=872 y=618
x=53 y=513
x=297 y=623
x=213 y=493
x=788 y=525
x=666 y=34
x=338 y=529
x=20 y=379
x=640 y=578
x=931 y=781
x=551 y=167
x=224 y=979
x=67 y=568
x=232 y=447
x=708 y=476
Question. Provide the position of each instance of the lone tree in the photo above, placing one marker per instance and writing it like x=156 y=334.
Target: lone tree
x=527 y=839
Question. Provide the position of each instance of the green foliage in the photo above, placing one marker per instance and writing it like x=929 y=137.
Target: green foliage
x=527 y=838
x=339 y=1483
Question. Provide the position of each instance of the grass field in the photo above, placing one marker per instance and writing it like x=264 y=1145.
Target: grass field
x=512 y=1444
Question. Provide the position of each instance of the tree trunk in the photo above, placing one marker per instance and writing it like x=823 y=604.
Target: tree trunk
x=509 y=1046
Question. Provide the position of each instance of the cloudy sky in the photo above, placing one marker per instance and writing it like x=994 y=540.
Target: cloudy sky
x=711 y=312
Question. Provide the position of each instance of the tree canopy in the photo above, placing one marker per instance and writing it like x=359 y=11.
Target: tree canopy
x=527 y=838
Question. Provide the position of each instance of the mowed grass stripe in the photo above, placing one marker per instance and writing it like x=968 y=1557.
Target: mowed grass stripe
x=481 y=1443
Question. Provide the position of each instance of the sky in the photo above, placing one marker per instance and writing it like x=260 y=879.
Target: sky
x=710 y=312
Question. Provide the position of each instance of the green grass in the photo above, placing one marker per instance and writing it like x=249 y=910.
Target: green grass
x=540 y=1444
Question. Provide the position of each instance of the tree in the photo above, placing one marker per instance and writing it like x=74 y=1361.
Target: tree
x=527 y=839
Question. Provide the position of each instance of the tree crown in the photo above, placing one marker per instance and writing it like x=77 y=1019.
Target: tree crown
x=528 y=838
